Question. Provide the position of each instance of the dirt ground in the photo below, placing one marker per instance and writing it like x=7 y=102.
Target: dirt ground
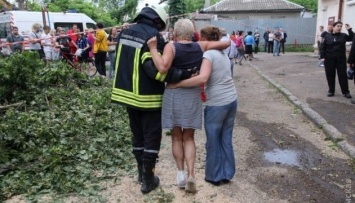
x=281 y=157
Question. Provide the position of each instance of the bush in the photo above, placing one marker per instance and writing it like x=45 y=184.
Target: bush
x=65 y=131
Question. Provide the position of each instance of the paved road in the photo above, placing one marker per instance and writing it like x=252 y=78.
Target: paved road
x=299 y=74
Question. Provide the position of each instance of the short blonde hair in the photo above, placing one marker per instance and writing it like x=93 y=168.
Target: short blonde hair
x=36 y=26
x=184 y=29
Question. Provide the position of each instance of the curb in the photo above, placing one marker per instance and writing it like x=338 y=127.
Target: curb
x=328 y=129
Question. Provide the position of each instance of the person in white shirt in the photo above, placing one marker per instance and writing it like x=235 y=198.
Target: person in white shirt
x=47 y=43
x=230 y=50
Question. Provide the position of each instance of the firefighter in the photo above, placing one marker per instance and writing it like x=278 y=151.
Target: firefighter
x=139 y=86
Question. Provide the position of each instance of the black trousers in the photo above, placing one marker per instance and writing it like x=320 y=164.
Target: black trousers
x=270 y=47
x=100 y=60
x=256 y=46
x=336 y=64
x=282 y=47
x=266 y=43
x=147 y=132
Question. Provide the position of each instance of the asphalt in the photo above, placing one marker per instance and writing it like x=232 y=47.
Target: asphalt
x=299 y=78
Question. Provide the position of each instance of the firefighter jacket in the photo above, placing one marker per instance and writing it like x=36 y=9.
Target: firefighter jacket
x=132 y=87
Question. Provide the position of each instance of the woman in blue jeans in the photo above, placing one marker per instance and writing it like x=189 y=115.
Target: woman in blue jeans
x=220 y=110
x=112 y=40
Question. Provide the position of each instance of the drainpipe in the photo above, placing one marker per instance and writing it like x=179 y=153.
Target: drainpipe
x=340 y=11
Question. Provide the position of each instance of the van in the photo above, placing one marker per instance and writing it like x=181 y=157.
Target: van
x=25 y=19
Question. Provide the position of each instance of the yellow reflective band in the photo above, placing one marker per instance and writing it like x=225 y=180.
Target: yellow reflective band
x=118 y=55
x=124 y=93
x=145 y=56
x=139 y=104
x=135 y=75
x=160 y=77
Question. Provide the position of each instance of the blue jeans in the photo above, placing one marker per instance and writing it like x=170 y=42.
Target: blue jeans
x=276 y=47
x=219 y=122
x=232 y=64
x=112 y=56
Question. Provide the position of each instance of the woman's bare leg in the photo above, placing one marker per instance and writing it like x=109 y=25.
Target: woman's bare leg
x=178 y=147
x=189 y=150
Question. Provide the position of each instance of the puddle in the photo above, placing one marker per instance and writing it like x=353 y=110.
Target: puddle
x=287 y=157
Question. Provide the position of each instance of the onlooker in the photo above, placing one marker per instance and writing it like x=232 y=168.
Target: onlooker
x=333 y=53
x=220 y=110
x=170 y=38
x=319 y=34
x=266 y=40
x=229 y=51
x=166 y=35
x=249 y=42
x=329 y=31
x=100 y=49
x=256 y=38
x=182 y=107
x=35 y=40
x=112 y=42
x=83 y=44
x=239 y=43
x=139 y=93
x=270 y=46
x=47 y=44
x=282 y=41
x=351 y=62
x=56 y=51
x=63 y=43
x=72 y=35
x=233 y=36
x=91 y=39
x=277 y=39
x=16 y=40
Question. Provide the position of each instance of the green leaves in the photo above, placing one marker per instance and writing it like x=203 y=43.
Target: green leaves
x=66 y=132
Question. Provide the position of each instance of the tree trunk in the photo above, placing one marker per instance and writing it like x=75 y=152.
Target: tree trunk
x=21 y=4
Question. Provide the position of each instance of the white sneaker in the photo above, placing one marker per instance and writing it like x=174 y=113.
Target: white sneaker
x=181 y=179
x=191 y=185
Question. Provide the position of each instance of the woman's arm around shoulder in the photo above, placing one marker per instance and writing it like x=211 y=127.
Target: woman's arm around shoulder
x=162 y=62
x=208 y=45
x=201 y=78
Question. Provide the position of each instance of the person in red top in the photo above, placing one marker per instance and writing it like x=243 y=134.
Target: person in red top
x=72 y=35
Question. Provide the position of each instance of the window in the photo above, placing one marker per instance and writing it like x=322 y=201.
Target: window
x=5 y=30
x=68 y=26
x=350 y=2
x=90 y=25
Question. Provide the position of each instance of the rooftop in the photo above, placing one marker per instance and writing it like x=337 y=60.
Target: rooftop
x=228 y=6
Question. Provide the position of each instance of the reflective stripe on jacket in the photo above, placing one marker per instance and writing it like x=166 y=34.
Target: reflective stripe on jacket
x=132 y=86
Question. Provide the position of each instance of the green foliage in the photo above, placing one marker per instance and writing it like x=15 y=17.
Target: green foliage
x=129 y=9
x=65 y=138
x=98 y=14
x=176 y=7
x=311 y=5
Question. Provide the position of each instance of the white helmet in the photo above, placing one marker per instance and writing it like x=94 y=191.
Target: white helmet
x=153 y=12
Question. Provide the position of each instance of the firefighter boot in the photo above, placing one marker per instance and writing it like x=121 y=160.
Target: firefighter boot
x=139 y=166
x=150 y=181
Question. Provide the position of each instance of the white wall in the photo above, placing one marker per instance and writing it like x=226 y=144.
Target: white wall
x=329 y=8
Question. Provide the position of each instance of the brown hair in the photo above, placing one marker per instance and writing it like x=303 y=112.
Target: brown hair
x=211 y=33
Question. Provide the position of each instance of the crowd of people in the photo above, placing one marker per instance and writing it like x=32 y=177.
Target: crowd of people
x=73 y=45
x=247 y=43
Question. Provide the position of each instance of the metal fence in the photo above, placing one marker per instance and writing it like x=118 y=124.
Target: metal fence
x=299 y=30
